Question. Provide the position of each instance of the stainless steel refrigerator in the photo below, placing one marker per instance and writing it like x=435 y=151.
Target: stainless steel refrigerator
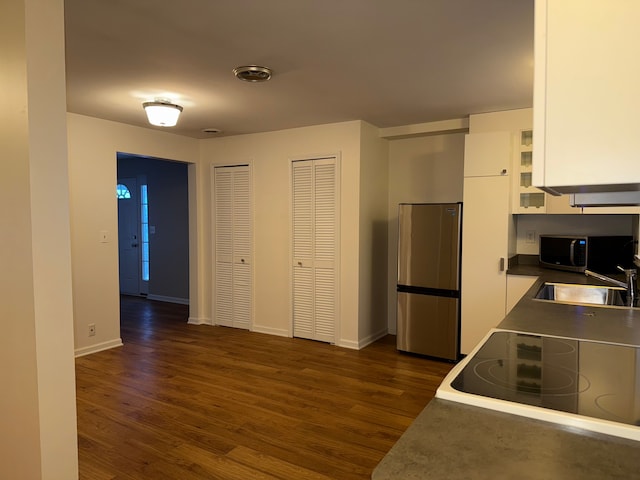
x=428 y=308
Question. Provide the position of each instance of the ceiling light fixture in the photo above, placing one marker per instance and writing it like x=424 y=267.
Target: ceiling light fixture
x=252 y=73
x=162 y=112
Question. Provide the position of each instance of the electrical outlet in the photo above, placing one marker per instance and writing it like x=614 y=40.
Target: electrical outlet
x=92 y=329
x=531 y=236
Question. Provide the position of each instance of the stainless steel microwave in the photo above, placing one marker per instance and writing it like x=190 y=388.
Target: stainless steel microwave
x=601 y=254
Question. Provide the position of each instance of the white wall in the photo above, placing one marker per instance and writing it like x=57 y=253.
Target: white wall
x=93 y=147
x=374 y=189
x=270 y=155
x=426 y=169
x=38 y=435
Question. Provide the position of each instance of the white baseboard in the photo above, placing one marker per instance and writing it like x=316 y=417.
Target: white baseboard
x=98 y=347
x=163 y=298
x=363 y=342
x=199 y=321
x=271 y=331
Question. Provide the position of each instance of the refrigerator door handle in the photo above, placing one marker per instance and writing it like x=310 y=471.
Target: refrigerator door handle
x=502 y=264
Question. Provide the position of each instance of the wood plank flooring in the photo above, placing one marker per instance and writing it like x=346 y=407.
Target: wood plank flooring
x=180 y=401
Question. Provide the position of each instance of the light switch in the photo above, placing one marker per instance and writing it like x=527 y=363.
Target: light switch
x=104 y=236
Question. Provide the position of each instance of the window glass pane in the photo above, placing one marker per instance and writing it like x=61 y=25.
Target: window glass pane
x=122 y=191
x=145 y=271
x=145 y=213
x=144 y=228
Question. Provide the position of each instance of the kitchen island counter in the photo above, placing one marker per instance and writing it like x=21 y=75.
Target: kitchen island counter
x=450 y=440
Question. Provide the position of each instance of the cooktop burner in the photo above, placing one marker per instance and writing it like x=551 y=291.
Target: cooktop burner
x=595 y=383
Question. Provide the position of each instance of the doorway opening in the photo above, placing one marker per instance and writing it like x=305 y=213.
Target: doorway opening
x=153 y=228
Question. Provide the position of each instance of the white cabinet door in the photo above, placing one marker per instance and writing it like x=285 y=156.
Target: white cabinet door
x=487 y=154
x=485 y=233
x=586 y=97
x=517 y=286
x=314 y=187
x=233 y=246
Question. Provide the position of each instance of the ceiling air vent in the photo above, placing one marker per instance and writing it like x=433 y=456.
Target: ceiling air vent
x=252 y=73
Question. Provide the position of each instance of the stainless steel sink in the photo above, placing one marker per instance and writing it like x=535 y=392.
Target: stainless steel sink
x=582 y=294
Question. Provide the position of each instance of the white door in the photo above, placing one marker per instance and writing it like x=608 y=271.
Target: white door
x=128 y=236
x=315 y=223
x=233 y=246
x=485 y=245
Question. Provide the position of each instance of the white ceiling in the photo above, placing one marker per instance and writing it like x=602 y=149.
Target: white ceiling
x=388 y=62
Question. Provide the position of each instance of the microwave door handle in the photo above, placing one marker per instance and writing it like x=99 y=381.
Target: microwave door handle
x=572 y=252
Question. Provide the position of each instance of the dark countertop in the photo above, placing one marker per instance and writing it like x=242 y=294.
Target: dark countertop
x=450 y=440
x=609 y=324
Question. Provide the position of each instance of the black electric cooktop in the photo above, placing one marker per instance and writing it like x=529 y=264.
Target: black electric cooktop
x=593 y=379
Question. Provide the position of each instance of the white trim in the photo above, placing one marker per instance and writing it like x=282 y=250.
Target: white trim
x=199 y=321
x=454 y=125
x=348 y=344
x=280 y=332
x=163 y=298
x=360 y=344
x=98 y=347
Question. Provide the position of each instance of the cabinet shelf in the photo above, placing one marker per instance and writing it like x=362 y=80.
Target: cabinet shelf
x=528 y=199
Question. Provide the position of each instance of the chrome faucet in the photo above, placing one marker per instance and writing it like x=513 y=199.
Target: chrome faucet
x=631 y=285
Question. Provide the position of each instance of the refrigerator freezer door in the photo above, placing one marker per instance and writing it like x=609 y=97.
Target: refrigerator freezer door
x=428 y=325
x=429 y=245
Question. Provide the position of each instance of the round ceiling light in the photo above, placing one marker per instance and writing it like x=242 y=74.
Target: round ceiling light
x=252 y=73
x=162 y=113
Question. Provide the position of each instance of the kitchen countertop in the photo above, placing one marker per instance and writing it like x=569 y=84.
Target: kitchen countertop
x=450 y=440
x=608 y=324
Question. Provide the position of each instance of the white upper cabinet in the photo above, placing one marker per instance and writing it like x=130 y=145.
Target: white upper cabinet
x=487 y=154
x=586 y=94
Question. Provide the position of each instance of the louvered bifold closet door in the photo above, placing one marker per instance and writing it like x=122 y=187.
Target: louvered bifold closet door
x=233 y=246
x=314 y=249
x=241 y=248
x=303 y=249
x=324 y=223
x=223 y=209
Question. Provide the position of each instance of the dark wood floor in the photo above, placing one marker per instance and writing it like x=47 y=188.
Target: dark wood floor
x=180 y=401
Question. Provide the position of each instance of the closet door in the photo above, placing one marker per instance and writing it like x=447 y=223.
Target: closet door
x=233 y=246
x=314 y=248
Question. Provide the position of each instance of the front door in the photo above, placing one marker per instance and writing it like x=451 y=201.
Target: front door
x=128 y=236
